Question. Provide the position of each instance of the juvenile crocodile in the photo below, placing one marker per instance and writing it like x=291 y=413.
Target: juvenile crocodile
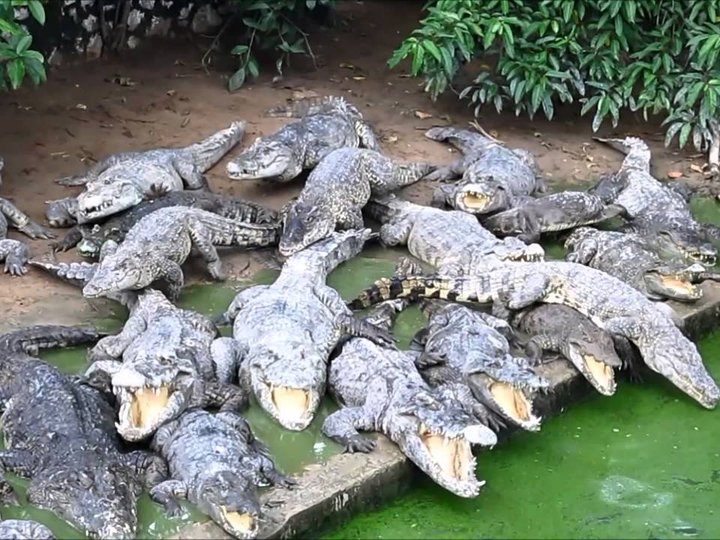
x=89 y=240
x=379 y=389
x=160 y=242
x=627 y=257
x=24 y=529
x=562 y=329
x=59 y=434
x=121 y=181
x=659 y=214
x=552 y=213
x=326 y=124
x=283 y=333
x=608 y=302
x=452 y=241
x=492 y=174
x=337 y=190
x=216 y=463
x=160 y=365
x=61 y=212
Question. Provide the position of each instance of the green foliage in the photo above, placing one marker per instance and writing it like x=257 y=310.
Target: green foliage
x=17 y=60
x=661 y=57
x=271 y=25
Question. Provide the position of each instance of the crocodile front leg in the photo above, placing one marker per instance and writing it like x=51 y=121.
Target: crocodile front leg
x=529 y=225
x=227 y=356
x=448 y=172
x=21 y=462
x=241 y=299
x=530 y=291
x=112 y=347
x=171 y=273
x=367 y=136
x=535 y=346
x=71 y=239
x=583 y=253
x=148 y=466
x=202 y=240
x=225 y=396
x=109 y=367
x=351 y=219
x=395 y=234
x=462 y=393
x=342 y=426
x=441 y=195
x=350 y=325
x=15 y=254
x=22 y=222
x=189 y=172
x=168 y=494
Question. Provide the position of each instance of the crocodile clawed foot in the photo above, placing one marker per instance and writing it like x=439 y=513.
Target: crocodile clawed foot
x=358 y=443
x=173 y=508
x=7 y=494
x=35 y=231
x=15 y=266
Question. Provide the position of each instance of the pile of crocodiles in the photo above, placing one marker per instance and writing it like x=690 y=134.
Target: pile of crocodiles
x=161 y=406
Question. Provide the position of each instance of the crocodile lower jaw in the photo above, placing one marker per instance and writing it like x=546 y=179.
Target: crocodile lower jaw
x=600 y=374
x=292 y=405
x=703 y=258
x=472 y=200
x=241 y=525
x=681 y=287
x=514 y=404
x=145 y=406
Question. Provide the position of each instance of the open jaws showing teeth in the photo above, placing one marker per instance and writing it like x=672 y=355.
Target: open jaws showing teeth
x=144 y=407
x=602 y=376
x=98 y=208
x=515 y=405
x=452 y=455
x=708 y=260
x=474 y=200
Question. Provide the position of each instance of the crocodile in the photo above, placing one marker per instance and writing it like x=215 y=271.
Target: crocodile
x=564 y=330
x=24 y=529
x=160 y=365
x=172 y=232
x=629 y=258
x=337 y=190
x=380 y=389
x=325 y=124
x=552 y=213
x=492 y=174
x=121 y=181
x=283 y=333
x=89 y=240
x=450 y=240
x=659 y=214
x=61 y=212
x=58 y=431
x=216 y=463
x=11 y=215
x=608 y=302
x=15 y=253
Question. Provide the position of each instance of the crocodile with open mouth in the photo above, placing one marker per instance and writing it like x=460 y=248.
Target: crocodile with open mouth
x=121 y=181
x=337 y=190
x=172 y=232
x=59 y=433
x=327 y=123
x=217 y=464
x=160 y=365
x=627 y=257
x=379 y=389
x=89 y=240
x=492 y=174
x=283 y=333
x=24 y=529
x=551 y=213
x=608 y=302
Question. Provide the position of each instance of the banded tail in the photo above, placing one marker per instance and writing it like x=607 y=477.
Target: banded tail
x=637 y=152
x=311 y=105
x=33 y=338
x=463 y=139
x=74 y=273
x=411 y=288
x=209 y=151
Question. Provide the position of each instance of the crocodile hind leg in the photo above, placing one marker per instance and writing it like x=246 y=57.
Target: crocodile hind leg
x=21 y=462
x=202 y=240
x=352 y=326
x=225 y=396
x=241 y=299
x=15 y=254
x=394 y=234
x=351 y=219
x=189 y=172
x=112 y=347
x=227 y=355
x=109 y=367
x=171 y=273
x=367 y=136
x=22 y=222
x=71 y=239
x=342 y=426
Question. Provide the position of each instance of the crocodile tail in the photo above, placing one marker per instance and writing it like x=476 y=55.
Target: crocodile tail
x=74 y=273
x=387 y=207
x=463 y=139
x=636 y=150
x=209 y=151
x=408 y=287
x=409 y=173
x=311 y=105
x=249 y=212
x=33 y=338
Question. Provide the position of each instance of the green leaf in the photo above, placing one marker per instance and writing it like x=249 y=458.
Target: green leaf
x=252 y=68
x=237 y=80
x=15 y=72
x=23 y=44
x=239 y=50
x=8 y=26
x=430 y=47
x=35 y=70
x=684 y=134
x=417 y=62
x=37 y=10
x=671 y=132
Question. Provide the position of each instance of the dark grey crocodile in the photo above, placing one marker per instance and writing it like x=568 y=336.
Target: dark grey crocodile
x=61 y=212
x=121 y=181
x=492 y=174
x=629 y=258
x=59 y=434
x=327 y=123
x=552 y=213
x=217 y=464
x=89 y=240
x=24 y=529
x=337 y=190
x=172 y=232
x=379 y=389
x=608 y=302
x=160 y=365
x=564 y=330
x=452 y=241
x=283 y=333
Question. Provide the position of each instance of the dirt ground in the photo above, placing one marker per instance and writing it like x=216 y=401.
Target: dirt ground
x=81 y=115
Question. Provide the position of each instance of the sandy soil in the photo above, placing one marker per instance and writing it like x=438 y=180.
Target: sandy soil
x=80 y=115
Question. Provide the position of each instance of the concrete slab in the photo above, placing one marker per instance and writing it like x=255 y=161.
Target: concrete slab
x=330 y=494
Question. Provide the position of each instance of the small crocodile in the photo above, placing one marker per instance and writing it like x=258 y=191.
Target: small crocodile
x=492 y=174
x=629 y=258
x=564 y=330
x=552 y=213
x=217 y=464
x=337 y=190
x=121 y=181
x=24 y=529
x=283 y=333
x=379 y=389
x=89 y=240
x=326 y=124
x=608 y=302
x=59 y=433
x=452 y=241
x=61 y=212
x=160 y=365
x=160 y=242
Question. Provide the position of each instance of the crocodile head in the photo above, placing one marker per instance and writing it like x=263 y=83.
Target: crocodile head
x=151 y=391
x=304 y=225
x=115 y=274
x=436 y=433
x=481 y=196
x=231 y=501
x=106 y=199
x=264 y=158
x=594 y=356
x=92 y=241
x=675 y=284
x=98 y=498
x=685 y=244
